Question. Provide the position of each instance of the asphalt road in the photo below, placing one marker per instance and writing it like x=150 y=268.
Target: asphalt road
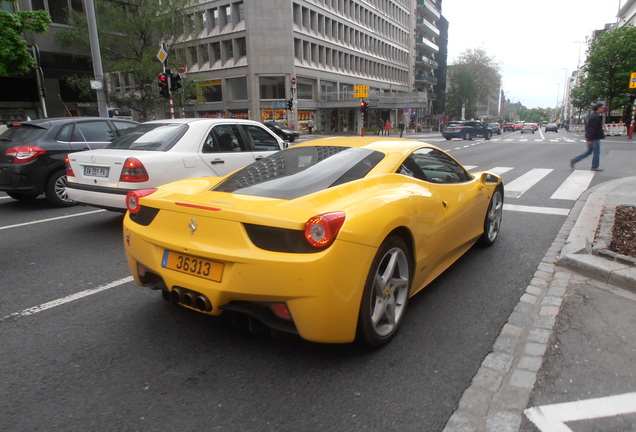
x=84 y=348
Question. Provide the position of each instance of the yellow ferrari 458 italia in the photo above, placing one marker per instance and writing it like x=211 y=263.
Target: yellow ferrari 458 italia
x=327 y=239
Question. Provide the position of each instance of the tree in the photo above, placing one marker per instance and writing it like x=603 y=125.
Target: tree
x=610 y=61
x=15 y=57
x=474 y=78
x=129 y=36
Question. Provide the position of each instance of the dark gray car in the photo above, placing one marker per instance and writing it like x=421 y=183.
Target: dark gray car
x=32 y=153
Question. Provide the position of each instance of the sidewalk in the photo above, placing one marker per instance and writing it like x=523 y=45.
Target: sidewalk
x=571 y=339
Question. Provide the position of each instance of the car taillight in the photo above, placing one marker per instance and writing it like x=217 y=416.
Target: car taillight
x=24 y=154
x=133 y=171
x=69 y=170
x=132 y=199
x=322 y=230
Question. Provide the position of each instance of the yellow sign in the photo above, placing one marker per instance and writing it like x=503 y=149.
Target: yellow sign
x=632 y=80
x=361 y=91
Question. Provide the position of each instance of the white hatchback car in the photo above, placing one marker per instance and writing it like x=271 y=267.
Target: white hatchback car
x=162 y=151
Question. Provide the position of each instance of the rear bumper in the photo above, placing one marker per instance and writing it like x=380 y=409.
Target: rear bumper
x=106 y=198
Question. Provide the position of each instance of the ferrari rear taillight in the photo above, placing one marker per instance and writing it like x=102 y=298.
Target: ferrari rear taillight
x=24 y=154
x=132 y=199
x=133 y=171
x=322 y=230
x=69 y=170
x=281 y=310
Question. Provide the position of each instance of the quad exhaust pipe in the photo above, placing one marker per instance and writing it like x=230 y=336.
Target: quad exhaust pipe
x=191 y=299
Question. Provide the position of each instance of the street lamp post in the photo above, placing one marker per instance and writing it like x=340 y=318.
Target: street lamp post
x=565 y=90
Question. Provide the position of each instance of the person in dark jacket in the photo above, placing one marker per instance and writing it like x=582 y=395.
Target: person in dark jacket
x=594 y=133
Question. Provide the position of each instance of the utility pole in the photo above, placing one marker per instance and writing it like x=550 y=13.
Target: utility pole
x=98 y=84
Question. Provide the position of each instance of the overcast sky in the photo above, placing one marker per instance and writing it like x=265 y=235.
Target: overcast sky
x=534 y=42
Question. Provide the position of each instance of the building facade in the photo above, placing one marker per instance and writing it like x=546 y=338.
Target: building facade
x=249 y=58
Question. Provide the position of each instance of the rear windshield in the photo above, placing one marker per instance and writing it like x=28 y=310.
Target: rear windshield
x=150 y=137
x=300 y=171
x=22 y=133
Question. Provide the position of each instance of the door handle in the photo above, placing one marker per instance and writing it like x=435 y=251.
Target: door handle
x=217 y=161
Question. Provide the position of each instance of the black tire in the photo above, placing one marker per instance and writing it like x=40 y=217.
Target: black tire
x=488 y=135
x=386 y=293
x=55 y=190
x=467 y=136
x=448 y=138
x=22 y=196
x=492 y=221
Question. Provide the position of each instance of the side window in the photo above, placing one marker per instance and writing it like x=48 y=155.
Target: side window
x=260 y=138
x=227 y=138
x=65 y=133
x=96 y=131
x=435 y=167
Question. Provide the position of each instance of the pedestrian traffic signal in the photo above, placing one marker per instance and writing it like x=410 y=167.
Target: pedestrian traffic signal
x=163 y=85
x=290 y=104
x=175 y=82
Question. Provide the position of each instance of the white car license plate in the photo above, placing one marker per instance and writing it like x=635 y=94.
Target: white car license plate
x=93 y=171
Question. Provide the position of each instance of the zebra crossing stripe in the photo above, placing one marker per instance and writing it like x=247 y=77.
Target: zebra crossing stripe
x=574 y=185
x=520 y=185
x=500 y=170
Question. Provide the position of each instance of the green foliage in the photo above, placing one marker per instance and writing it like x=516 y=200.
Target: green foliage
x=15 y=57
x=534 y=115
x=130 y=34
x=610 y=61
x=473 y=78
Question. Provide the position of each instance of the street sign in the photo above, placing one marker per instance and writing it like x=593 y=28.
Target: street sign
x=182 y=68
x=293 y=81
x=162 y=54
x=632 y=80
x=361 y=91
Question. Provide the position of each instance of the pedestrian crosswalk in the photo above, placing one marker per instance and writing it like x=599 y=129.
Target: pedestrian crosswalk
x=569 y=188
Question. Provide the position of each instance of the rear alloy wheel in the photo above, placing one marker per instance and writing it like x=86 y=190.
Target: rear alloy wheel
x=492 y=222
x=386 y=294
x=55 y=190
x=467 y=136
x=488 y=135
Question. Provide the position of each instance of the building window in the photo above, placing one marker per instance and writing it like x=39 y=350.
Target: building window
x=58 y=9
x=241 y=47
x=239 y=11
x=272 y=87
x=229 y=49
x=216 y=51
x=205 y=53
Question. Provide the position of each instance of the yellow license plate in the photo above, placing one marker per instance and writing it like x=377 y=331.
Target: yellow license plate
x=191 y=265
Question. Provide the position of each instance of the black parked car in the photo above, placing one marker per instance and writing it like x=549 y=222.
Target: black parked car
x=32 y=153
x=284 y=132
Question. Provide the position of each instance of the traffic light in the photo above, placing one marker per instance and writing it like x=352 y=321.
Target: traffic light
x=290 y=104
x=163 y=85
x=175 y=82
x=364 y=106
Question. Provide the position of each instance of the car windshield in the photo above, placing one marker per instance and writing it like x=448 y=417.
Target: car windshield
x=300 y=171
x=150 y=137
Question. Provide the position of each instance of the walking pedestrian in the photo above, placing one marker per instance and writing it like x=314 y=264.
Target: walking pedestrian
x=310 y=126
x=380 y=127
x=387 y=127
x=594 y=133
x=401 y=128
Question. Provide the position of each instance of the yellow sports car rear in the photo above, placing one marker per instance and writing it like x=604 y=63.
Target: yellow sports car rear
x=327 y=239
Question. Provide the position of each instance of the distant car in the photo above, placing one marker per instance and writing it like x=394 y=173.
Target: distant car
x=495 y=128
x=552 y=127
x=527 y=128
x=509 y=127
x=32 y=153
x=163 y=151
x=288 y=134
x=466 y=130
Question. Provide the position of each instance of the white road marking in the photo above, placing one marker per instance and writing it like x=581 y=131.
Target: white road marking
x=552 y=418
x=67 y=299
x=520 y=185
x=574 y=185
x=49 y=220
x=500 y=170
x=535 y=209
